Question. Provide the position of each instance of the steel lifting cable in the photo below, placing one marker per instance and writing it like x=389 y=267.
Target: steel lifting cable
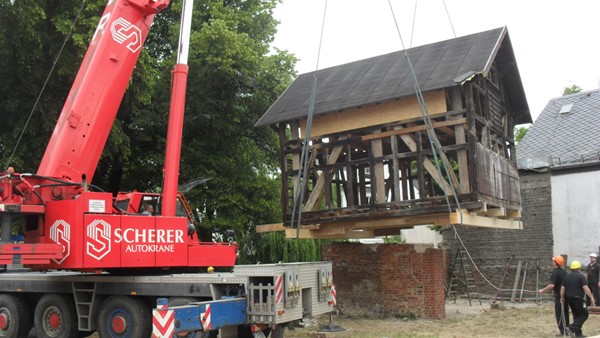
x=303 y=170
x=37 y=100
x=435 y=146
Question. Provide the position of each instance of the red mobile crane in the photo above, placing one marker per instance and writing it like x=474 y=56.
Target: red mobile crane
x=70 y=227
x=85 y=251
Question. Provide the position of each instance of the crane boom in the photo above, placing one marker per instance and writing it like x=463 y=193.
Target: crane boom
x=91 y=107
x=68 y=226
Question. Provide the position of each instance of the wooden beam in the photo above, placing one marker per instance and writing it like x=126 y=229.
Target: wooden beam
x=317 y=234
x=318 y=188
x=377 y=174
x=463 y=217
x=410 y=130
x=270 y=227
x=429 y=166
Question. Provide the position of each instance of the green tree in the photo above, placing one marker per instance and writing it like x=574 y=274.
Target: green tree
x=234 y=76
x=519 y=133
x=573 y=89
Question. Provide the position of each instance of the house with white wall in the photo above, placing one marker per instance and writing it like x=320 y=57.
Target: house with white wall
x=562 y=150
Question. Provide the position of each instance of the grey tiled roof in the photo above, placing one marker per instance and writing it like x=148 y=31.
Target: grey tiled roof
x=557 y=139
x=388 y=77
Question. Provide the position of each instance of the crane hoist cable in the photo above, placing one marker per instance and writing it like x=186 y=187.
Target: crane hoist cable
x=433 y=141
x=37 y=100
x=303 y=169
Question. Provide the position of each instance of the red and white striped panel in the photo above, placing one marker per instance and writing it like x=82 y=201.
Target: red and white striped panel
x=163 y=322
x=278 y=289
x=333 y=293
x=205 y=318
x=258 y=327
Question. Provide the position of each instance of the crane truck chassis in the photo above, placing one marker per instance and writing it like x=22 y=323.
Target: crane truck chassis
x=255 y=298
x=93 y=262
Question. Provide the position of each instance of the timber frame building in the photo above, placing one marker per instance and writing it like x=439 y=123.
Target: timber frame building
x=372 y=168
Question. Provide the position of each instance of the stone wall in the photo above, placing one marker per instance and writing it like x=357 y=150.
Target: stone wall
x=490 y=248
x=389 y=279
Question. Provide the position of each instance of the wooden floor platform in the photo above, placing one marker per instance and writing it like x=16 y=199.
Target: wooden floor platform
x=493 y=218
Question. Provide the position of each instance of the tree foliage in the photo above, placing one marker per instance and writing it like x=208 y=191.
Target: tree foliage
x=573 y=89
x=519 y=133
x=234 y=77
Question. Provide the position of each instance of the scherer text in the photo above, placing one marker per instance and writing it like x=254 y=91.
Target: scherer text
x=149 y=240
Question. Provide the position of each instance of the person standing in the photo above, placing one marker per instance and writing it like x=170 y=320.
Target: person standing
x=593 y=278
x=571 y=292
x=561 y=309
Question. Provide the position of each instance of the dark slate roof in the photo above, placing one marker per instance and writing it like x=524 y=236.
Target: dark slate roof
x=568 y=139
x=388 y=77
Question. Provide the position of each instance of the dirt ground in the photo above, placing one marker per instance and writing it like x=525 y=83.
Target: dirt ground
x=515 y=320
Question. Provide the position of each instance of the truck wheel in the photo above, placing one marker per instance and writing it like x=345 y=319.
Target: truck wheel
x=124 y=317
x=55 y=317
x=15 y=318
x=278 y=331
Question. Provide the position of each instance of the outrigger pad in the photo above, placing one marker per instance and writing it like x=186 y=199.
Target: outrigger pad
x=331 y=328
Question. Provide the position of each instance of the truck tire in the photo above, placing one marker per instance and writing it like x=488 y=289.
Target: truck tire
x=124 y=317
x=55 y=317
x=15 y=317
x=278 y=331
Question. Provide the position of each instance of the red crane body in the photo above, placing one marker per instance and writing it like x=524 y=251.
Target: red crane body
x=66 y=225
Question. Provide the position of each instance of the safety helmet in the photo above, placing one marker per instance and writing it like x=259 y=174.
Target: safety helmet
x=575 y=265
x=210 y=269
x=559 y=260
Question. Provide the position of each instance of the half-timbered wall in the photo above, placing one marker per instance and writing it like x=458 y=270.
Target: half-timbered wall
x=378 y=161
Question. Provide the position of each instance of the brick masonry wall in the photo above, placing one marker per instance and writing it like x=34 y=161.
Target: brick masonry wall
x=490 y=248
x=389 y=279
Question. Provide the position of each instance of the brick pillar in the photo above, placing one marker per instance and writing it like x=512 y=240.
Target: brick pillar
x=389 y=279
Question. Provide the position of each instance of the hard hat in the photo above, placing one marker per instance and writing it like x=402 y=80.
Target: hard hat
x=593 y=254
x=210 y=269
x=575 y=265
x=559 y=260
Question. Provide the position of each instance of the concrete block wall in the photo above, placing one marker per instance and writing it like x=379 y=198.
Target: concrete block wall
x=389 y=279
x=490 y=248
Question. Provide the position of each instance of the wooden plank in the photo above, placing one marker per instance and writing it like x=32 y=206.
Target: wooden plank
x=377 y=175
x=395 y=168
x=376 y=114
x=420 y=169
x=270 y=227
x=338 y=234
x=410 y=130
x=460 y=138
x=463 y=217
